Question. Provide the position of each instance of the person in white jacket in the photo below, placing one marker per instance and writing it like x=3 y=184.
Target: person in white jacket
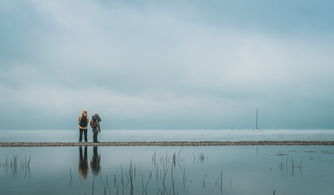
x=83 y=124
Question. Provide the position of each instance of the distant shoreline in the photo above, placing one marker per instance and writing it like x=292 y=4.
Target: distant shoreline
x=163 y=143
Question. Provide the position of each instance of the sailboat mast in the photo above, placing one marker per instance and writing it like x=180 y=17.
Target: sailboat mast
x=257 y=118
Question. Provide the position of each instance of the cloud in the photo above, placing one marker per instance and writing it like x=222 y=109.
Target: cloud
x=154 y=65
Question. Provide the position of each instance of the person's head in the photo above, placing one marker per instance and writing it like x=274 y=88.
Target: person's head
x=97 y=117
x=84 y=112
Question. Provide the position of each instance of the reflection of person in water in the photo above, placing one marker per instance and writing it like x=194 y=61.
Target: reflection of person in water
x=95 y=163
x=83 y=163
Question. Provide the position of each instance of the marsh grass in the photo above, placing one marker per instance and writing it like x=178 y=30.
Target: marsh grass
x=288 y=166
x=164 y=173
x=17 y=166
x=168 y=175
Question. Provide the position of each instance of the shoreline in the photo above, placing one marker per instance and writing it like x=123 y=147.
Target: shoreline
x=163 y=143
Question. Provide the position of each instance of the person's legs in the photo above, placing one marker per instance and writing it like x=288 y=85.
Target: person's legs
x=85 y=133
x=80 y=135
x=95 y=137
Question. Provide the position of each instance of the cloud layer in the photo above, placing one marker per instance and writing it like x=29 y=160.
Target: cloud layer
x=157 y=65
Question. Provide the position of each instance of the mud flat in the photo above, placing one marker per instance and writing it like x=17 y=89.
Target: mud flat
x=164 y=143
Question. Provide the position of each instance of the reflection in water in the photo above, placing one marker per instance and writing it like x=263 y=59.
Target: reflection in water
x=171 y=171
x=168 y=175
x=17 y=166
x=286 y=166
x=95 y=163
x=83 y=163
x=163 y=178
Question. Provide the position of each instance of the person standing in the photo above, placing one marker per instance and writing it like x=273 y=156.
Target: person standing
x=83 y=125
x=95 y=124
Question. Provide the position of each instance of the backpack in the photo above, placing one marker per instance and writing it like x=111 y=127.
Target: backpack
x=83 y=121
x=93 y=124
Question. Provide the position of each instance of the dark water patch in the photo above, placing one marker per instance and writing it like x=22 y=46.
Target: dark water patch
x=327 y=151
x=281 y=154
x=310 y=151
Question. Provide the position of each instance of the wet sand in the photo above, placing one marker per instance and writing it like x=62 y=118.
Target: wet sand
x=164 y=143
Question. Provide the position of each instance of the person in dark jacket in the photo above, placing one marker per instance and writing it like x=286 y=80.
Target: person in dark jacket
x=83 y=125
x=95 y=124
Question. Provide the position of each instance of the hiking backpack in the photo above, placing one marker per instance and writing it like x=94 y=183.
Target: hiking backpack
x=93 y=124
x=83 y=121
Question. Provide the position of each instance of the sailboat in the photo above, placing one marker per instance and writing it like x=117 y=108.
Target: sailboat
x=257 y=120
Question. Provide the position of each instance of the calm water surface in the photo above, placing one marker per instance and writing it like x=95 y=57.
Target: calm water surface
x=170 y=135
x=234 y=170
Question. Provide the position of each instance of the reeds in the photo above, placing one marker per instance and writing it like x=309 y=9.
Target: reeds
x=16 y=166
x=167 y=176
x=285 y=167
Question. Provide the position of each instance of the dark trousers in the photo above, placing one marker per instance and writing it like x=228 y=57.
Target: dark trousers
x=84 y=131
x=95 y=136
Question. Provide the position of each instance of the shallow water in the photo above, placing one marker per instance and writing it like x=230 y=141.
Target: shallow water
x=171 y=135
x=288 y=170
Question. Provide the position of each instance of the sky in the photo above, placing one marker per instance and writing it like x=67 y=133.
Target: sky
x=179 y=64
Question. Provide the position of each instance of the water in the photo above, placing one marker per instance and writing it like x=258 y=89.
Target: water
x=234 y=170
x=151 y=170
x=171 y=135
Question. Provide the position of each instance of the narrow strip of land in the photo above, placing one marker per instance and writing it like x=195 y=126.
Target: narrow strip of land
x=164 y=143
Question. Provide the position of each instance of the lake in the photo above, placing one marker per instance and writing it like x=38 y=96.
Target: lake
x=151 y=170
x=168 y=170
x=170 y=135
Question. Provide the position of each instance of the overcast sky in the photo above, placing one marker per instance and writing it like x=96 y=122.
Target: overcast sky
x=149 y=64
